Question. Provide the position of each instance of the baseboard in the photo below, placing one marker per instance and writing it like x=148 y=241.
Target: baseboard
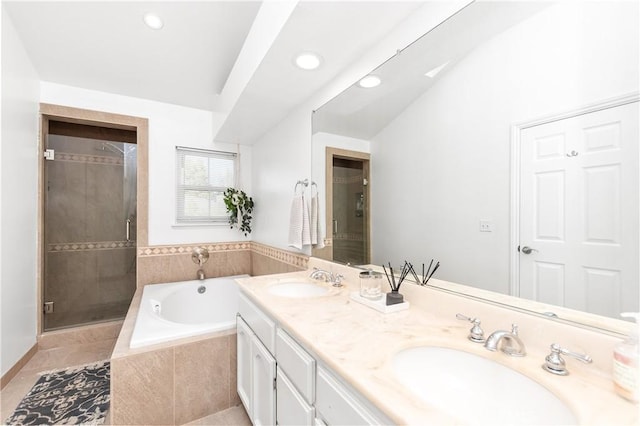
x=6 y=378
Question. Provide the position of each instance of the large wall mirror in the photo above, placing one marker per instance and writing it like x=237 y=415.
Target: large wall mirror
x=503 y=144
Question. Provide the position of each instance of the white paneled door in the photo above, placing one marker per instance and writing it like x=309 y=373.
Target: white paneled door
x=579 y=211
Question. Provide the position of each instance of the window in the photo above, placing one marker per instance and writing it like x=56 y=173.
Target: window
x=202 y=177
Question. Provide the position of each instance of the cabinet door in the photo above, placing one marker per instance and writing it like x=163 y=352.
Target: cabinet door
x=244 y=364
x=263 y=375
x=292 y=409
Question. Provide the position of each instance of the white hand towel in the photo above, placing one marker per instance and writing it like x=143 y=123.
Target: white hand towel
x=317 y=239
x=299 y=233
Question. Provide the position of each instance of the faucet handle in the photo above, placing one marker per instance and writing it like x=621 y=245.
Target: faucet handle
x=554 y=363
x=337 y=281
x=476 y=333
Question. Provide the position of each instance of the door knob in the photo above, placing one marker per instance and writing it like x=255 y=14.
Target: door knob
x=527 y=250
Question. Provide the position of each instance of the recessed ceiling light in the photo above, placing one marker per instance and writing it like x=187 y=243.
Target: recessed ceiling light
x=307 y=61
x=436 y=70
x=369 y=81
x=153 y=21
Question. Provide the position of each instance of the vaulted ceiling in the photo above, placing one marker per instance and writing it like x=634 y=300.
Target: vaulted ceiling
x=230 y=57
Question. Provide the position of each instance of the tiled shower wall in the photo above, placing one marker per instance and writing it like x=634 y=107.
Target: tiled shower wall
x=348 y=242
x=90 y=267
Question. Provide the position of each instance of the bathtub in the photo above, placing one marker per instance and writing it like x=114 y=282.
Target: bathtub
x=186 y=308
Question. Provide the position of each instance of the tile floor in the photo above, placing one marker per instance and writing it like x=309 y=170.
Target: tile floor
x=62 y=357
x=230 y=416
x=45 y=360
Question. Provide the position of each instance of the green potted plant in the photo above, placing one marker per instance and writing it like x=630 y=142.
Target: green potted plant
x=239 y=206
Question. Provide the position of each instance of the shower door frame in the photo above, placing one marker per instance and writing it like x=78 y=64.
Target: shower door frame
x=92 y=118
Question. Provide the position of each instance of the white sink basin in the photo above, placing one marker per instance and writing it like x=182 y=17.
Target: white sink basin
x=477 y=390
x=298 y=290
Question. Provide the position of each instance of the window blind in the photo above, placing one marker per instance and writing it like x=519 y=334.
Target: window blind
x=202 y=177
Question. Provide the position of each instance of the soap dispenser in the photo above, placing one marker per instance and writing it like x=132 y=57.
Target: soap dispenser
x=625 y=363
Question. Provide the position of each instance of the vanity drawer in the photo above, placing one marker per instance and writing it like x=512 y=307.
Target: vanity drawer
x=299 y=366
x=338 y=405
x=260 y=323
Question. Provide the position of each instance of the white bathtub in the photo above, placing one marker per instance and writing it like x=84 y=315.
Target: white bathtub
x=175 y=310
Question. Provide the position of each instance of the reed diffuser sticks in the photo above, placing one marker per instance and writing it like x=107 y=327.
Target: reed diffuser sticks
x=425 y=276
x=395 y=285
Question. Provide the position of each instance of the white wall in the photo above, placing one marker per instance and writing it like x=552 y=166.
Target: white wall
x=445 y=161
x=169 y=125
x=283 y=154
x=19 y=177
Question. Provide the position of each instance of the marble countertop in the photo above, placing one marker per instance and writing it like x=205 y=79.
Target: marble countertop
x=359 y=343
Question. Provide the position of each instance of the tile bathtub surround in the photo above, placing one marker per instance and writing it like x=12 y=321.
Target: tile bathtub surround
x=161 y=264
x=174 y=373
x=192 y=377
x=284 y=256
x=180 y=267
x=265 y=265
x=343 y=334
x=202 y=378
x=174 y=384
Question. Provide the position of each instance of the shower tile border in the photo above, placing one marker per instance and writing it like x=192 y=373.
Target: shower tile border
x=348 y=179
x=91 y=159
x=90 y=246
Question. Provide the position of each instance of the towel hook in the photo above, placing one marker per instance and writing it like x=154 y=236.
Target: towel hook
x=305 y=183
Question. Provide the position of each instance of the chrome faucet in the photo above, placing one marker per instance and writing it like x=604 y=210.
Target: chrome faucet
x=200 y=274
x=505 y=341
x=335 y=280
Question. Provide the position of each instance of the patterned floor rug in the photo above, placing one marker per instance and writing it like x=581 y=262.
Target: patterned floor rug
x=76 y=395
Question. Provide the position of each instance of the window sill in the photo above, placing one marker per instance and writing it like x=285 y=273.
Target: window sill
x=200 y=225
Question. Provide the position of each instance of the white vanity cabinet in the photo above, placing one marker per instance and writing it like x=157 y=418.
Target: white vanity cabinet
x=295 y=382
x=256 y=366
x=290 y=388
x=263 y=376
x=244 y=386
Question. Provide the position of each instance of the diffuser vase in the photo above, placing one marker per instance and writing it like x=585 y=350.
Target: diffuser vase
x=393 y=298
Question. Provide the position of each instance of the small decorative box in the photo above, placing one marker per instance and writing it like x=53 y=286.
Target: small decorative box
x=380 y=304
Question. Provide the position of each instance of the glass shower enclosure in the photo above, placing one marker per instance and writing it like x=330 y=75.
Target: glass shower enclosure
x=350 y=215
x=89 y=230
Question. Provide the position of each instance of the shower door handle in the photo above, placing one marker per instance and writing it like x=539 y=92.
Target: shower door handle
x=335 y=226
x=128 y=230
